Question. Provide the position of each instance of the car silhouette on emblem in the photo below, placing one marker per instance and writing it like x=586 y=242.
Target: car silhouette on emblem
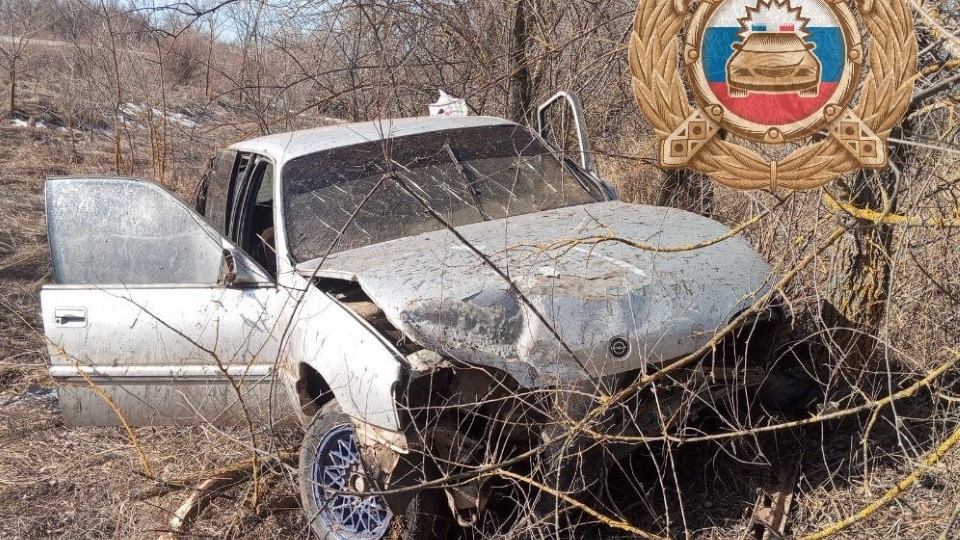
x=773 y=63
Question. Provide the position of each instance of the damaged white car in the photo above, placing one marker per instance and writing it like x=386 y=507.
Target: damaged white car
x=437 y=298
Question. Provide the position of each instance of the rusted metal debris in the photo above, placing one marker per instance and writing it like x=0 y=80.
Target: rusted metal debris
x=772 y=508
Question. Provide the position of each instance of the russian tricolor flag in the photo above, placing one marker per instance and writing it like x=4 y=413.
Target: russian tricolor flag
x=818 y=26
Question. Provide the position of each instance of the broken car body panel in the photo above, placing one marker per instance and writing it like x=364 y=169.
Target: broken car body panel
x=357 y=364
x=664 y=304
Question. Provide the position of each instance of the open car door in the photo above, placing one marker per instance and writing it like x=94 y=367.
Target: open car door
x=154 y=316
x=560 y=122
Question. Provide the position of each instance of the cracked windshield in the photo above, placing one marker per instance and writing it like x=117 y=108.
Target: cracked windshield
x=465 y=175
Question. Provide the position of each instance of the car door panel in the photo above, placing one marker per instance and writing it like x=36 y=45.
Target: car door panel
x=137 y=325
x=164 y=355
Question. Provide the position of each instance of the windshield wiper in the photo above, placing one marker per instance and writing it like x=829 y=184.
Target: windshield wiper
x=467 y=180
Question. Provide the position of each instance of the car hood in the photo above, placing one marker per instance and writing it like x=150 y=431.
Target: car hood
x=663 y=304
x=773 y=58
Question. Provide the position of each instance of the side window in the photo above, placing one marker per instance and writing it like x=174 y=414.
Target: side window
x=121 y=231
x=251 y=223
x=200 y=193
x=234 y=195
x=216 y=190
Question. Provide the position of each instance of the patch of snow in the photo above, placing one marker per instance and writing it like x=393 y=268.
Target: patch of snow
x=131 y=109
x=65 y=129
x=20 y=123
x=183 y=120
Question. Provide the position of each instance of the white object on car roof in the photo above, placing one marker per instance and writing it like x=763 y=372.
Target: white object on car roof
x=448 y=105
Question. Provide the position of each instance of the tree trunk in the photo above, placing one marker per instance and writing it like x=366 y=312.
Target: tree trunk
x=858 y=287
x=13 y=86
x=207 y=90
x=521 y=84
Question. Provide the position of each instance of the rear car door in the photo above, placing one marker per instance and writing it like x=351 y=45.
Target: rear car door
x=141 y=322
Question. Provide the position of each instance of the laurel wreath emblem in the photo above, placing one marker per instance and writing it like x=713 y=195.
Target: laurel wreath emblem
x=885 y=93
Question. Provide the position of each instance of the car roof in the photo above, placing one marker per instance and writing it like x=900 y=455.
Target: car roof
x=282 y=147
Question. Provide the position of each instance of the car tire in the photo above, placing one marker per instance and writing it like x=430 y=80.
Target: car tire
x=330 y=453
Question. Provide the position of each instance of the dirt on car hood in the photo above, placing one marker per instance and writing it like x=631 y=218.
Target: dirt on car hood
x=594 y=293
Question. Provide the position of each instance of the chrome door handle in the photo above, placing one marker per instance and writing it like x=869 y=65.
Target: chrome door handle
x=70 y=317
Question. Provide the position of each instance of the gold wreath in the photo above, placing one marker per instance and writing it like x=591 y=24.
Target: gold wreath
x=884 y=96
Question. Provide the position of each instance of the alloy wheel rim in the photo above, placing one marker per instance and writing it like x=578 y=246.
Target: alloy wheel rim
x=338 y=477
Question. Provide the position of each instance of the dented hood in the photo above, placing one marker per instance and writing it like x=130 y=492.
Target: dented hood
x=596 y=296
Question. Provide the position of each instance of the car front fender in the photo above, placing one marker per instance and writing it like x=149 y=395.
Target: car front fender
x=359 y=367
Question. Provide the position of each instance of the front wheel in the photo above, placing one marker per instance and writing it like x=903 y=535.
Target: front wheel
x=333 y=481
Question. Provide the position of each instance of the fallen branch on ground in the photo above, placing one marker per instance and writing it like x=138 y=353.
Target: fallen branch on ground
x=211 y=484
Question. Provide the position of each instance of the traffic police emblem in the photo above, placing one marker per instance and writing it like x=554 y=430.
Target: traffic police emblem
x=773 y=71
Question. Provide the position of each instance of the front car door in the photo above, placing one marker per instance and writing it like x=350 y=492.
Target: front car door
x=139 y=323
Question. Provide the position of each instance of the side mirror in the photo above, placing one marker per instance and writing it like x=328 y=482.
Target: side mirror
x=237 y=272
